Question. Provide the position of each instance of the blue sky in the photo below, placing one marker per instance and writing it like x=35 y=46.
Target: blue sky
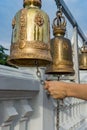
x=8 y=8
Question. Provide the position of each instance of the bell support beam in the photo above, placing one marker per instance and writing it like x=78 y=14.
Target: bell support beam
x=71 y=19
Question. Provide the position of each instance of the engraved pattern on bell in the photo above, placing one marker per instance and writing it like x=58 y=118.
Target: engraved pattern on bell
x=23 y=26
x=39 y=19
x=22 y=44
x=29 y=54
x=32 y=44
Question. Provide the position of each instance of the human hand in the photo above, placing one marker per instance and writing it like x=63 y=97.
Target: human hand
x=57 y=90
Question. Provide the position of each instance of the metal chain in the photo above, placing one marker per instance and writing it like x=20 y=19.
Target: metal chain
x=57 y=115
x=57 y=110
x=58 y=103
x=40 y=78
x=38 y=73
x=59 y=6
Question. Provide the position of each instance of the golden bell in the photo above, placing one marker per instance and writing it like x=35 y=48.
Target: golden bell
x=30 y=36
x=60 y=49
x=83 y=58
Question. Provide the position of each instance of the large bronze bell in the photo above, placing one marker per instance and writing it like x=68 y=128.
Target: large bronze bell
x=83 y=58
x=60 y=48
x=30 y=42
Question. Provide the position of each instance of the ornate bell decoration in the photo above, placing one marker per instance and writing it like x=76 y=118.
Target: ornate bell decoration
x=60 y=48
x=30 y=36
x=83 y=58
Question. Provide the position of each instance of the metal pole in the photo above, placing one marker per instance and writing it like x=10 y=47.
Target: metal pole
x=75 y=51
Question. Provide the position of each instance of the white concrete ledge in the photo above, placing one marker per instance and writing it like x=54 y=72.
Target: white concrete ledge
x=15 y=83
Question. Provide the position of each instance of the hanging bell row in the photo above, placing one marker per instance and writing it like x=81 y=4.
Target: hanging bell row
x=83 y=58
x=30 y=44
x=61 y=49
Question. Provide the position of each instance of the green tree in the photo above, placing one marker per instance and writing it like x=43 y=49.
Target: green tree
x=3 y=55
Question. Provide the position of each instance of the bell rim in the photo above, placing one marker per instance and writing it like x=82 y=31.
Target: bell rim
x=61 y=71
x=28 y=62
x=83 y=68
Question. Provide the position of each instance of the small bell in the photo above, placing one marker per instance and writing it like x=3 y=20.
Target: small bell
x=60 y=48
x=83 y=58
x=30 y=36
